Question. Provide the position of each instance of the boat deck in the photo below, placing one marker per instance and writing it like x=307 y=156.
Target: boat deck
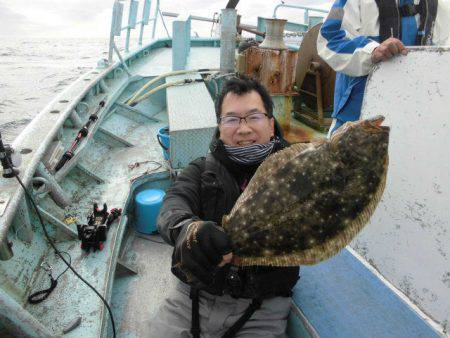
x=343 y=298
x=105 y=174
x=338 y=298
x=120 y=156
x=136 y=298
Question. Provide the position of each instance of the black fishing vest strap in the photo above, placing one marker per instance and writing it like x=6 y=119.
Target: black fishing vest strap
x=428 y=13
x=195 y=314
x=254 y=305
x=391 y=19
x=231 y=332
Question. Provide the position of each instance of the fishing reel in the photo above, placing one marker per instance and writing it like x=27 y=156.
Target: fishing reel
x=93 y=234
x=10 y=159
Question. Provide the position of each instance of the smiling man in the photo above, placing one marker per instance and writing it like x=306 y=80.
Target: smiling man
x=214 y=297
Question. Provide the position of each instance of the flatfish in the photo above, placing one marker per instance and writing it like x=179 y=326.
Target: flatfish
x=307 y=202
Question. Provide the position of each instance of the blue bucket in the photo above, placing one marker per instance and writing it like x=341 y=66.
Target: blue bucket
x=164 y=141
x=147 y=206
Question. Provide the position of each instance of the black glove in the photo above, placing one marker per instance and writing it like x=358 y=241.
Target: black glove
x=199 y=248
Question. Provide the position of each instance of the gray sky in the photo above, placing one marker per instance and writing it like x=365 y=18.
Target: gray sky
x=91 y=18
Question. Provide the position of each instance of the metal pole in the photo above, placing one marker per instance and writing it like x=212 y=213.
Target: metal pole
x=141 y=34
x=155 y=18
x=298 y=7
x=144 y=21
x=193 y=17
x=111 y=42
x=111 y=34
x=228 y=40
x=132 y=14
x=164 y=24
x=127 y=41
x=121 y=60
x=116 y=25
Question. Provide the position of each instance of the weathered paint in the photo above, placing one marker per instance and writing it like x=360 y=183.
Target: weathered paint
x=407 y=238
x=293 y=130
x=290 y=26
x=227 y=39
x=153 y=59
x=274 y=68
x=103 y=171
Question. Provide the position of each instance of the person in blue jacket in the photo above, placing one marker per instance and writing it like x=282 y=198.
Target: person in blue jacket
x=358 y=34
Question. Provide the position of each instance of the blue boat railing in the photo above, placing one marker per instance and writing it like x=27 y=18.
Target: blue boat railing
x=151 y=10
x=150 y=14
x=294 y=27
x=116 y=22
x=307 y=9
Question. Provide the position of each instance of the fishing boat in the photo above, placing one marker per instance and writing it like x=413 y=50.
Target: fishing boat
x=119 y=135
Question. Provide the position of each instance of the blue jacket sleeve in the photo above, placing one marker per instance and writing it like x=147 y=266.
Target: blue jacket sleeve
x=340 y=42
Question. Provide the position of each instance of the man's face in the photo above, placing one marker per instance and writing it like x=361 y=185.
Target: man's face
x=257 y=130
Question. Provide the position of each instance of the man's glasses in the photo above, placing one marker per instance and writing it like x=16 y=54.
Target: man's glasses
x=251 y=120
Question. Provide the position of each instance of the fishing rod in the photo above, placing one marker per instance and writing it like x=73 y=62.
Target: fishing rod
x=81 y=134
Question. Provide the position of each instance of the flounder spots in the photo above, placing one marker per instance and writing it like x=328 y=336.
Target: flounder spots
x=299 y=200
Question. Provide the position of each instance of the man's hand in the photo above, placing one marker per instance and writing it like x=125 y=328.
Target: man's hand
x=201 y=247
x=387 y=49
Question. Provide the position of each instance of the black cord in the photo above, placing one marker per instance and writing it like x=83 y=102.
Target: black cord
x=60 y=255
x=70 y=262
x=40 y=296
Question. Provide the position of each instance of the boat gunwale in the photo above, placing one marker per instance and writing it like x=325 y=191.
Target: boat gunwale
x=32 y=160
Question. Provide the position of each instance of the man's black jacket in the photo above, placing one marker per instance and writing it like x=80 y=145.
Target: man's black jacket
x=206 y=190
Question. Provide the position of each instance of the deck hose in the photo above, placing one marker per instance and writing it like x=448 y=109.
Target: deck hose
x=138 y=93
x=163 y=86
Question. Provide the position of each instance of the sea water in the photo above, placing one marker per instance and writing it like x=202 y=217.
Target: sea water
x=34 y=70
